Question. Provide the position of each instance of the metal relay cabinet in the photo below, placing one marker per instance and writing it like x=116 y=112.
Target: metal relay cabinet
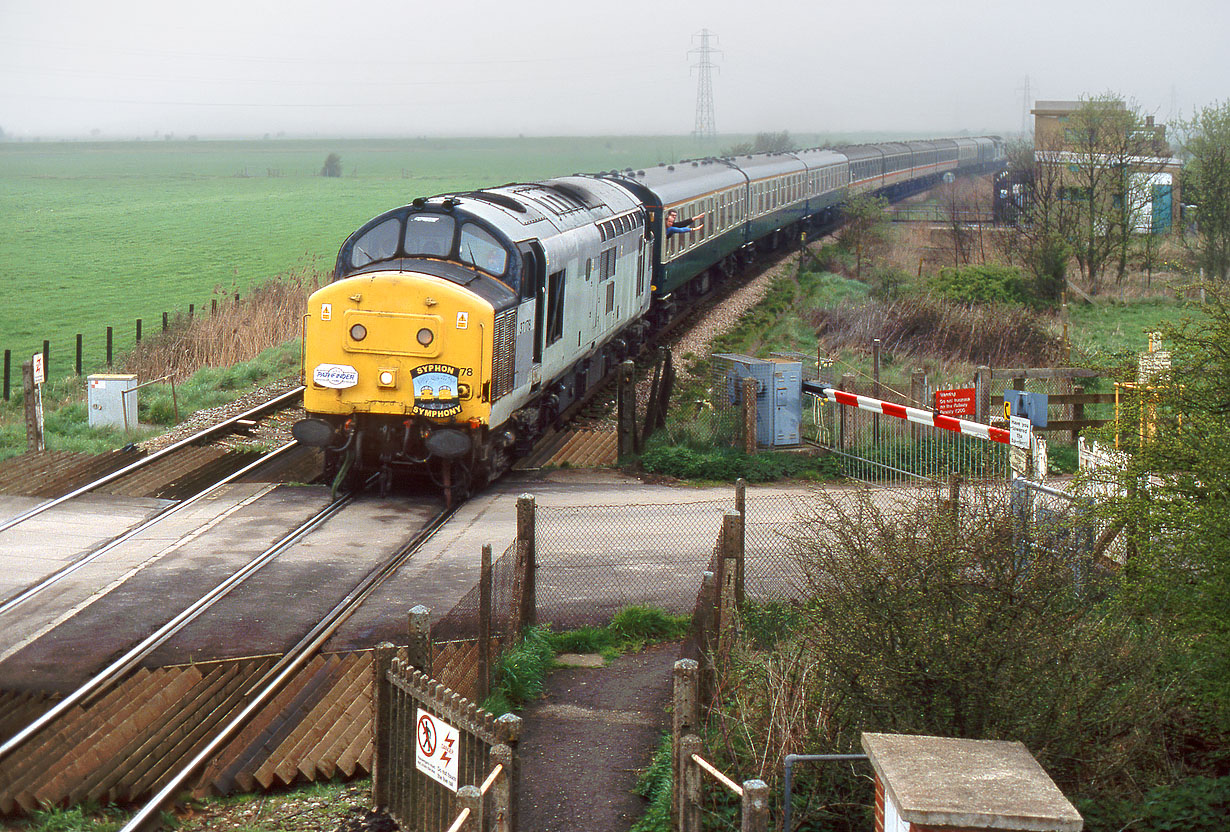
x=779 y=386
x=108 y=405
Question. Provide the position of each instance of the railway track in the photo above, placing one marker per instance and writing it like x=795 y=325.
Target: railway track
x=27 y=752
x=240 y=422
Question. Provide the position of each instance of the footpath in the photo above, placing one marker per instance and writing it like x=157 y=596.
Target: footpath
x=583 y=745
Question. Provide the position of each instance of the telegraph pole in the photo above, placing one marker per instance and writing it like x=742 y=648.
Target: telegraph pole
x=705 y=127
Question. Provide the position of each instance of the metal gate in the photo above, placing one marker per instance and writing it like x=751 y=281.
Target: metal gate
x=441 y=761
x=893 y=444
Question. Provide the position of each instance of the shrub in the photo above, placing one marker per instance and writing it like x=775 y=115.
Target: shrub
x=983 y=284
x=917 y=624
x=728 y=465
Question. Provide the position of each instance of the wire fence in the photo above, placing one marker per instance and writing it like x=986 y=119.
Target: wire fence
x=593 y=561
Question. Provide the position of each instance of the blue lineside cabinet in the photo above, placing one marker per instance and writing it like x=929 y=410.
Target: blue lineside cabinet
x=779 y=395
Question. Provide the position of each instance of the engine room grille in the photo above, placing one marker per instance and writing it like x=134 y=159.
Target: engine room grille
x=505 y=353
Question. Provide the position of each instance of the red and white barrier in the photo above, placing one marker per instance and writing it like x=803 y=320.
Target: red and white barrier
x=919 y=417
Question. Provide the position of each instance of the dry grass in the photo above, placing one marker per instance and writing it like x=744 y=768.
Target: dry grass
x=930 y=328
x=270 y=315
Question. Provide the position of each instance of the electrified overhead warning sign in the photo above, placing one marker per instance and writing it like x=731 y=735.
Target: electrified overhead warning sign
x=435 y=749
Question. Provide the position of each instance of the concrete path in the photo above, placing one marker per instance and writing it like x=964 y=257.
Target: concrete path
x=584 y=744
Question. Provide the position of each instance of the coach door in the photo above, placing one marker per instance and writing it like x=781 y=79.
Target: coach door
x=531 y=315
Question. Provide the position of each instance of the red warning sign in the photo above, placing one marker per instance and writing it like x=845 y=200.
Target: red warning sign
x=959 y=402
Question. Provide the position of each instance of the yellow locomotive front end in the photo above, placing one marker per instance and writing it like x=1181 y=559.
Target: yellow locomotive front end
x=396 y=372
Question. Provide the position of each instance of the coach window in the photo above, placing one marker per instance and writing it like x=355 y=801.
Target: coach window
x=479 y=248
x=379 y=243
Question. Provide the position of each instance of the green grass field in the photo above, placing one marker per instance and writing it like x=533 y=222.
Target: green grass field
x=101 y=234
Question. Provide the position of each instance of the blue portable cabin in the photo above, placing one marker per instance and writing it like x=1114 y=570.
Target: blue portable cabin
x=715 y=188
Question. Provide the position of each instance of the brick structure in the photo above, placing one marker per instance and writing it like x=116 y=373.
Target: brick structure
x=939 y=784
x=1055 y=144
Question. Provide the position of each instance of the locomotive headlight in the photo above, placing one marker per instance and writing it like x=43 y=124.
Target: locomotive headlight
x=358 y=332
x=426 y=336
x=387 y=378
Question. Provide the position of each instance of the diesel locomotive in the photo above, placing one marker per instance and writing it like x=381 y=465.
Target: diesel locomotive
x=457 y=328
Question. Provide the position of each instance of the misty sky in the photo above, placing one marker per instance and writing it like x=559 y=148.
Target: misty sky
x=481 y=67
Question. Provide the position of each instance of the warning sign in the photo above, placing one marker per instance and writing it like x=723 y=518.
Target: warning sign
x=959 y=402
x=1019 y=432
x=435 y=749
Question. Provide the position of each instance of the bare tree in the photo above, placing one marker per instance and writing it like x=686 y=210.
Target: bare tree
x=1046 y=219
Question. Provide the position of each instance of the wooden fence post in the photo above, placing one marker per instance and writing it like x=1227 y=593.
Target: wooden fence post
x=749 y=415
x=846 y=385
x=382 y=730
x=954 y=500
x=732 y=550
x=526 y=530
x=34 y=408
x=693 y=793
x=626 y=419
x=508 y=733
x=982 y=394
x=418 y=652
x=755 y=806
x=77 y=365
x=110 y=338
x=469 y=797
x=684 y=718
x=501 y=792
x=741 y=507
x=1078 y=410
x=483 y=687
x=877 y=392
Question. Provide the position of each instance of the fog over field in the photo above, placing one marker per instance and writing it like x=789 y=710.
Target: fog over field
x=149 y=68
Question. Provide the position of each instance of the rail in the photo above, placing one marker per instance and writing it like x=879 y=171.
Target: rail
x=289 y=664
x=129 y=659
x=89 y=557
x=221 y=427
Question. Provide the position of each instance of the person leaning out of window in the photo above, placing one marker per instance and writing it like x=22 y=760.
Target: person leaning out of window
x=674 y=226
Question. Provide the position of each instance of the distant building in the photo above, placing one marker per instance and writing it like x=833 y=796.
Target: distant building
x=1153 y=174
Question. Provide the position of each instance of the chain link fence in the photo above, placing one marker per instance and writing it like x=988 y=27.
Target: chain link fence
x=593 y=561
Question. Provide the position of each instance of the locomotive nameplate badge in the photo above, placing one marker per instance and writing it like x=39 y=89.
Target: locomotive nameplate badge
x=436 y=390
x=326 y=311
x=463 y=320
x=337 y=376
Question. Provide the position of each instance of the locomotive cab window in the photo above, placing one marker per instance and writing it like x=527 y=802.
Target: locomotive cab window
x=429 y=235
x=479 y=248
x=379 y=243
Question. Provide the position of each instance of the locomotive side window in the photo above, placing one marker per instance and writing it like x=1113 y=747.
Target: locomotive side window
x=478 y=248
x=380 y=243
x=555 y=307
x=430 y=235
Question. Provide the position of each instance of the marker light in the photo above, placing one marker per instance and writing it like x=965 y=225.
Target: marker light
x=426 y=336
x=358 y=332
